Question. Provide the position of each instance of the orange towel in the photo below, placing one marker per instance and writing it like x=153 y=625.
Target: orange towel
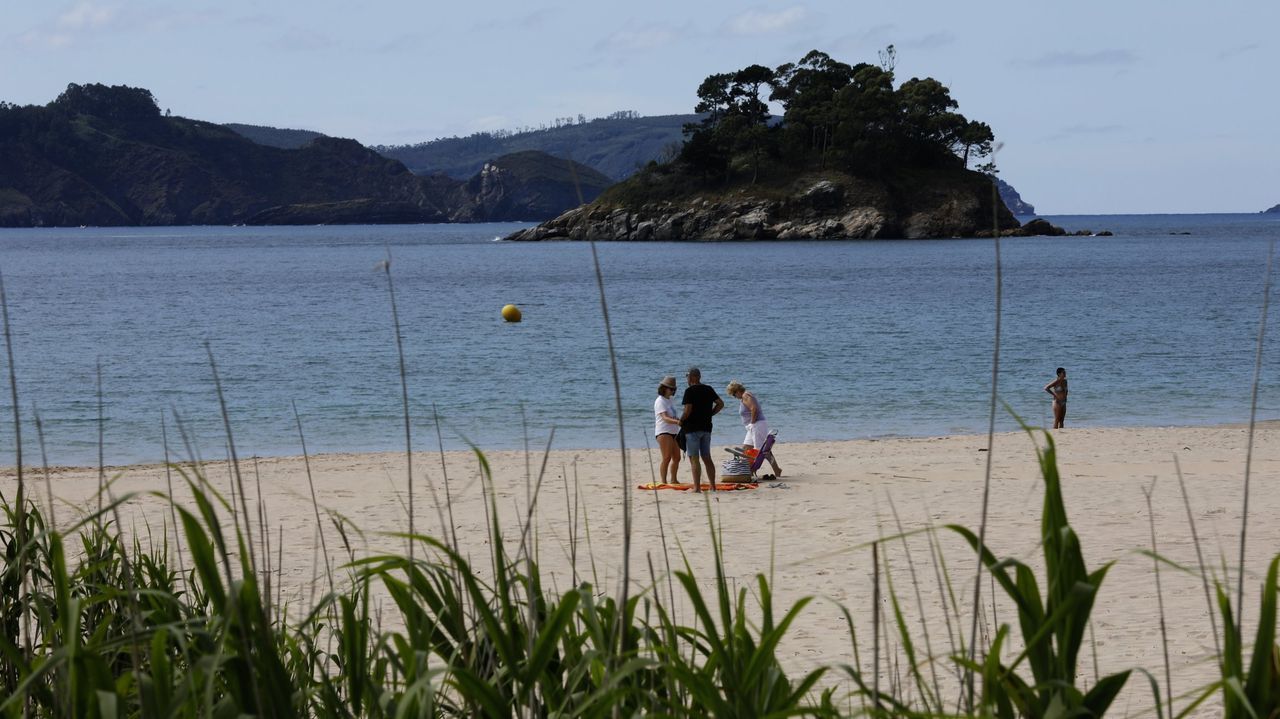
x=722 y=487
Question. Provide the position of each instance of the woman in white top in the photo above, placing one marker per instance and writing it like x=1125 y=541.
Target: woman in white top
x=666 y=425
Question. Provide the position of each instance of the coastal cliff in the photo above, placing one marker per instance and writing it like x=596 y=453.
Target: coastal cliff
x=1013 y=200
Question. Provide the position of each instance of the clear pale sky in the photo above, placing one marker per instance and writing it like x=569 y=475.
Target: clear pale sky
x=1103 y=107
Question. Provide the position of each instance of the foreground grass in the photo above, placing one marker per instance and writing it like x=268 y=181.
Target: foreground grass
x=94 y=624
x=110 y=627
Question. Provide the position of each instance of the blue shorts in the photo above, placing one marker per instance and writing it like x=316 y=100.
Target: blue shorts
x=697 y=443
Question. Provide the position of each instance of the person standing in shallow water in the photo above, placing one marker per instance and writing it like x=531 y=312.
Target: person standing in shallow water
x=1058 y=390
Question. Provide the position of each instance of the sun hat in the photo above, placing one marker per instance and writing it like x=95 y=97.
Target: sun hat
x=668 y=381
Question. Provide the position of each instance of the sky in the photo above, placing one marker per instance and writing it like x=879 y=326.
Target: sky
x=1102 y=107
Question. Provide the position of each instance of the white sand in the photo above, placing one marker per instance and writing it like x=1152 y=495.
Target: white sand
x=836 y=500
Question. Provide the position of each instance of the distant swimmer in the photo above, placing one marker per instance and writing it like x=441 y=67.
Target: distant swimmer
x=1058 y=390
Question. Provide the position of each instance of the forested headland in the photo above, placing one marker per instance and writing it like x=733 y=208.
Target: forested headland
x=107 y=155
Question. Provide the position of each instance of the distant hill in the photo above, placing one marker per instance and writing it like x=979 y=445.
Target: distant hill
x=100 y=155
x=1273 y=209
x=616 y=147
x=1013 y=200
x=274 y=136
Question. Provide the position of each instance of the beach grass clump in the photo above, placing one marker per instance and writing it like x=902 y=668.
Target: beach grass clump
x=111 y=628
x=1035 y=672
x=1250 y=689
x=1035 y=677
x=1052 y=622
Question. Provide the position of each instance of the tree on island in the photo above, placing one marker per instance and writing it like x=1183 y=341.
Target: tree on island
x=846 y=117
x=736 y=118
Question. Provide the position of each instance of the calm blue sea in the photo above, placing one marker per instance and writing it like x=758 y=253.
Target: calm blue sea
x=1157 y=325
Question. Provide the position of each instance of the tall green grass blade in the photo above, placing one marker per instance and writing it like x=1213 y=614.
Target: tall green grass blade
x=1262 y=684
x=1253 y=419
x=1099 y=698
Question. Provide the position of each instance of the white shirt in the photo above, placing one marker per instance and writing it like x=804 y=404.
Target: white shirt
x=663 y=405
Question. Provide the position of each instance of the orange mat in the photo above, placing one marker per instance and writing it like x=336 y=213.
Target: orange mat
x=722 y=487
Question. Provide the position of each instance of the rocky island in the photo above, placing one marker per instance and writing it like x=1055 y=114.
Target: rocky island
x=853 y=156
x=820 y=206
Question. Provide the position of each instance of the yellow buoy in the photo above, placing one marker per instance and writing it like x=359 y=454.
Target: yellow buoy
x=511 y=313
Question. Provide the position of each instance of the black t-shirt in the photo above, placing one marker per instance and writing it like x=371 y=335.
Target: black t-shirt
x=703 y=399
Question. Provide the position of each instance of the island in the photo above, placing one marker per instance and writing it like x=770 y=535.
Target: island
x=854 y=155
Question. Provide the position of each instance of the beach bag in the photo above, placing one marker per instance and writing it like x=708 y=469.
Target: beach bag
x=736 y=468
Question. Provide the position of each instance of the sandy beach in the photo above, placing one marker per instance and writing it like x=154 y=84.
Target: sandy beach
x=811 y=531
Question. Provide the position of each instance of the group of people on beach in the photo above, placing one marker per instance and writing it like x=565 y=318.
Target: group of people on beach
x=689 y=429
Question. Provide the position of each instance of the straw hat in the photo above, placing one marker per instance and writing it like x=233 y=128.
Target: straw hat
x=668 y=381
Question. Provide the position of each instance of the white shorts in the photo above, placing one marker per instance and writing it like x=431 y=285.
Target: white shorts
x=756 y=434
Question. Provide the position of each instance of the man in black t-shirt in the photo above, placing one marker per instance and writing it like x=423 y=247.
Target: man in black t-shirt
x=700 y=403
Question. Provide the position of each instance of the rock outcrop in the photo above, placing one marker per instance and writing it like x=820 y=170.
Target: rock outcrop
x=527 y=185
x=922 y=204
x=1041 y=227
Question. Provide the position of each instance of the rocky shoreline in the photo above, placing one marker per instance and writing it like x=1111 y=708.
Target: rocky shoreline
x=823 y=209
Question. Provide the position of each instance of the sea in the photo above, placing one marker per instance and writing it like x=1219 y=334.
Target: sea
x=117 y=333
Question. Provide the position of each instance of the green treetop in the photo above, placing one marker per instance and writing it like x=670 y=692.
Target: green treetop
x=846 y=117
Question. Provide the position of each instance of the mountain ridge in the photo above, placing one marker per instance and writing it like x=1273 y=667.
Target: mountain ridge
x=614 y=146
x=100 y=155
